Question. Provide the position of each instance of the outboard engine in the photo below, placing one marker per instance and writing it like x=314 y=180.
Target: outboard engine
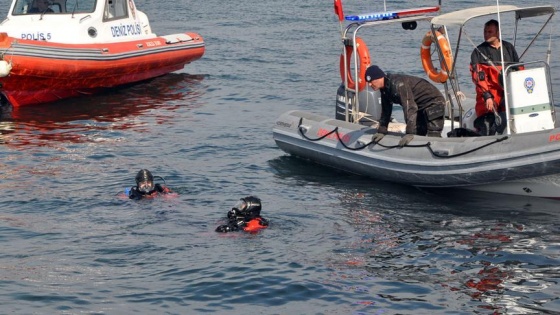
x=369 y=104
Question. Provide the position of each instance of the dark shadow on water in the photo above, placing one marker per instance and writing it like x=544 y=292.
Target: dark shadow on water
x=459 y=244
x=290 y=167
x=450 y=201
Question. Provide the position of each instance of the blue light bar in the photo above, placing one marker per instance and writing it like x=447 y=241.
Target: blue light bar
x=372 y=16
x=379 y=16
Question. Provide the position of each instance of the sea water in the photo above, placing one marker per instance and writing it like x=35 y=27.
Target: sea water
x=337 y=243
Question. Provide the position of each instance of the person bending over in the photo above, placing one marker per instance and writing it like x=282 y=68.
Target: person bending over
x=422 y=103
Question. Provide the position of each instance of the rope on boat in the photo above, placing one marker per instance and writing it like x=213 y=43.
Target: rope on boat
x=428 y=144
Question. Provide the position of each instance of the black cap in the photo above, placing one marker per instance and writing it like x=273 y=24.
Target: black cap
x=374 y=73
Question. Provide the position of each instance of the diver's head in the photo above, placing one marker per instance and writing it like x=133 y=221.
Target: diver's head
x=145 y=181
x=248 y=207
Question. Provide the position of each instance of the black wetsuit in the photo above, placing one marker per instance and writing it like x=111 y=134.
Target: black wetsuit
x=134 y=193
x=245 y=223
x=422 y=103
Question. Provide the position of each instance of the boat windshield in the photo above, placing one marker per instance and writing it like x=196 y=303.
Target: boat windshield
x=53 y=6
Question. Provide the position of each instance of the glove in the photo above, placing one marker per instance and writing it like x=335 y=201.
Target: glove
x=377 y=137
x=405 y=140
x=381 y=132
x=223 y=229
x=232 y=213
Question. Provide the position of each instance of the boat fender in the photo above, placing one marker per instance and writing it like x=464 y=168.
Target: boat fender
x=5 y=68
x=426 y=56
x=364 y=63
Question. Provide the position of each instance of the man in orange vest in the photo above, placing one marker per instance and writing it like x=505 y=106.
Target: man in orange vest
x=486 y=70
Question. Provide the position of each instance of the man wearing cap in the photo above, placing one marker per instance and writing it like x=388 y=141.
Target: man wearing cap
x=422 y=103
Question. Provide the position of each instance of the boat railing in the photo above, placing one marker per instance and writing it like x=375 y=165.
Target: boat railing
x=349 y=37
x=454 y=97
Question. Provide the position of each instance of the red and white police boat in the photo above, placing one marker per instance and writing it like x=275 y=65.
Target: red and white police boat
x=56 y=49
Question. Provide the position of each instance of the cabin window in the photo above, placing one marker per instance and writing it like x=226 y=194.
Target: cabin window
x=115 y=9
x=53 y=6
x=80 y=6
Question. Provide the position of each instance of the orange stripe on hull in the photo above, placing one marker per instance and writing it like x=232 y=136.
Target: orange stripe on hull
x=45 y=72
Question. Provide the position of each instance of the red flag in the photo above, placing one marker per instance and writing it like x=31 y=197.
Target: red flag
x=338 y=9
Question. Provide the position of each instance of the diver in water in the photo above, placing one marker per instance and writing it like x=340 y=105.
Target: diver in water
x=245 y=215
x=145 y=186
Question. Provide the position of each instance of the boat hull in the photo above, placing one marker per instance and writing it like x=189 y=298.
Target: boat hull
x=426 y=162
x=44 y=71
x=543 y=187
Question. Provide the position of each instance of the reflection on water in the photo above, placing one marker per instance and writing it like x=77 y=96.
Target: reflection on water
x=494 y=261
x=75 y=120
x=444 y=200
x=450 y=248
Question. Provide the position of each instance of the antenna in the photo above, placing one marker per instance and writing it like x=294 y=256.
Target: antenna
x=506 y=87
x=500 y=33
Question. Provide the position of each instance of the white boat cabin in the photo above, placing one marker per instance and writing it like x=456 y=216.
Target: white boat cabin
x=76 y=21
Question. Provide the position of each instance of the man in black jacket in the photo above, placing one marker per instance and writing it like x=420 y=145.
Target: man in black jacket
x=422 y=103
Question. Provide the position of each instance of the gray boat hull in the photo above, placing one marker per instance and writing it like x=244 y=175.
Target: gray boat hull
x=425 y=162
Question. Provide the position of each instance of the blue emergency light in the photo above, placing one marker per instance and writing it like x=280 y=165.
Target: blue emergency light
x=380 y=16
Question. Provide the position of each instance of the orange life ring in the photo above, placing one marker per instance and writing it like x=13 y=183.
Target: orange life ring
x=364 y=63
x=426 y=56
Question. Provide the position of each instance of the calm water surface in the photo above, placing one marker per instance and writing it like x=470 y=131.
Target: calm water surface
x=337 y=244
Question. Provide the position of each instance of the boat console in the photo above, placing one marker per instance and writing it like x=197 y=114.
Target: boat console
x=529 y=98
